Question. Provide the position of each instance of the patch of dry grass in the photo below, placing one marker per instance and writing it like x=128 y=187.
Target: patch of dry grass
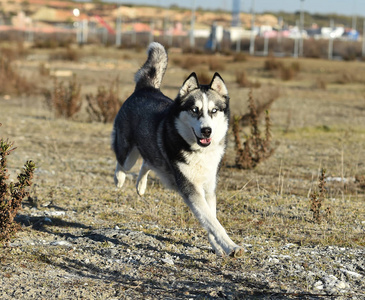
x=273 y=201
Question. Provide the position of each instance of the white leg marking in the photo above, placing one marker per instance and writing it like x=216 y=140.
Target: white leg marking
x=119 y=176
x=120 y=171
x=212 y=203
x=142 y=179
x=218 y=236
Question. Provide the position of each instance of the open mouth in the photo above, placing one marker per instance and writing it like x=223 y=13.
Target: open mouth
x=203 y=142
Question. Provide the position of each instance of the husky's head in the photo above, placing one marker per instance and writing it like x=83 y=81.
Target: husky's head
x=203 y=111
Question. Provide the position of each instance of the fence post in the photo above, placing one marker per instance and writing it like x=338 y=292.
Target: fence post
x=85 y=30
x=330 y=42
x=296 y=44
x=266 y=45
x=192 y=24
x=151 y=32
x=363 y=39
x=118 y=37
x=105 y=36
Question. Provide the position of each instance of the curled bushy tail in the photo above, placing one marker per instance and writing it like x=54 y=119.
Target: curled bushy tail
x=153 y=70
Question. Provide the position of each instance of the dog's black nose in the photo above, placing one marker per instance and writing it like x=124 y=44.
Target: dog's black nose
x=206 y=131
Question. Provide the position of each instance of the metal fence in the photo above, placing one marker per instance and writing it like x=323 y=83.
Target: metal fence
x=314 y=48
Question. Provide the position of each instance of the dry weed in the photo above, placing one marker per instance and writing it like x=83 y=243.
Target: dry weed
x=243 y=81
x=272 y=64
x=105 y=105
x=317 y=199
x=10 y=80
x=255 y=149
x=69 y=54
x=289 y=72
x=267 y=99
x=240 y=57
x=216 y=64
x=66 y=101
x=204 y=77
x=280 y=70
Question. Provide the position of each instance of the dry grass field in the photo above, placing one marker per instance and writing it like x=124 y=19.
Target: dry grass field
x=69 y=223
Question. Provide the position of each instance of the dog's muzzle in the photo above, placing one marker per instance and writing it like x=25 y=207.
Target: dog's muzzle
x=205 y=139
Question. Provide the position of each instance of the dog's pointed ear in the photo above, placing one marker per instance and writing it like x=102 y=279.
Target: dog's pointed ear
x=191 y=83
x=217 y=84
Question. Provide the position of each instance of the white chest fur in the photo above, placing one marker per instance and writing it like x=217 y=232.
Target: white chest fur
x=201 y=166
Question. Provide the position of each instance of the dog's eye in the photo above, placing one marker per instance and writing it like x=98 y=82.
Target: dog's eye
x=214 y=110
x=195 y=110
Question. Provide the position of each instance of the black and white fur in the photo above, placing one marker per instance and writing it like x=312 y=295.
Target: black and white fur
x=182 y=141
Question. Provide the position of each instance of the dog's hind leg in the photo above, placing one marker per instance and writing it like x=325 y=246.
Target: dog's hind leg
x=142 y=179
x=122 y=168
x=119 y=176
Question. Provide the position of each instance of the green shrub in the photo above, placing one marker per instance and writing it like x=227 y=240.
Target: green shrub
x=11 y=195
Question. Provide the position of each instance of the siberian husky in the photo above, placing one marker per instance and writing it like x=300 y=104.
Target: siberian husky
x=182 y=141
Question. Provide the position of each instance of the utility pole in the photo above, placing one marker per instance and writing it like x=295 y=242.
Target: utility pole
x=330 y=42
x=354 y=25
x=301 y=28
x=118 y=33
x=296 y=43
x=152 y=26
x=363 y=39
x=252 y=37
x=192 y=24
x=266 y=45
x=236 y=22
x=85 y=30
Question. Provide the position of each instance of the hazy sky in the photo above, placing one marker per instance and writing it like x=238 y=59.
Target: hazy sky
x=347 y=7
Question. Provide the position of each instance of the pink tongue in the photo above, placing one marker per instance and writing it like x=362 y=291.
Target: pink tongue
x=206 y=141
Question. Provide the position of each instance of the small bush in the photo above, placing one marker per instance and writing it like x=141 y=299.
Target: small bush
x=65 y=101
x=360 y=180
x=279 y=69
x=177 y=61
x=345 y=78
x=69 y=54
x=240 y=57
x=11 y=195
x=267 y=99
x=53 y=42
x=317 y=199
x=320 y=84
x=289 y=72
x=204 y=77
x=105 y=105
x=242 y=80
x=272 y=64
x=295 y=66
x=192 y=61
x=255 y=149
x=10 y=81
x=44 y=69
x=216 y=64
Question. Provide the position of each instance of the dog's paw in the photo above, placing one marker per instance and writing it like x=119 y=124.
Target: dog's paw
x=236 y=252
x=119 y=178
x=141 y=187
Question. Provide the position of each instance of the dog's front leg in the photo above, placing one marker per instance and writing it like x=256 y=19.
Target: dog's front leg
x=212 y=203
x=217 y=235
